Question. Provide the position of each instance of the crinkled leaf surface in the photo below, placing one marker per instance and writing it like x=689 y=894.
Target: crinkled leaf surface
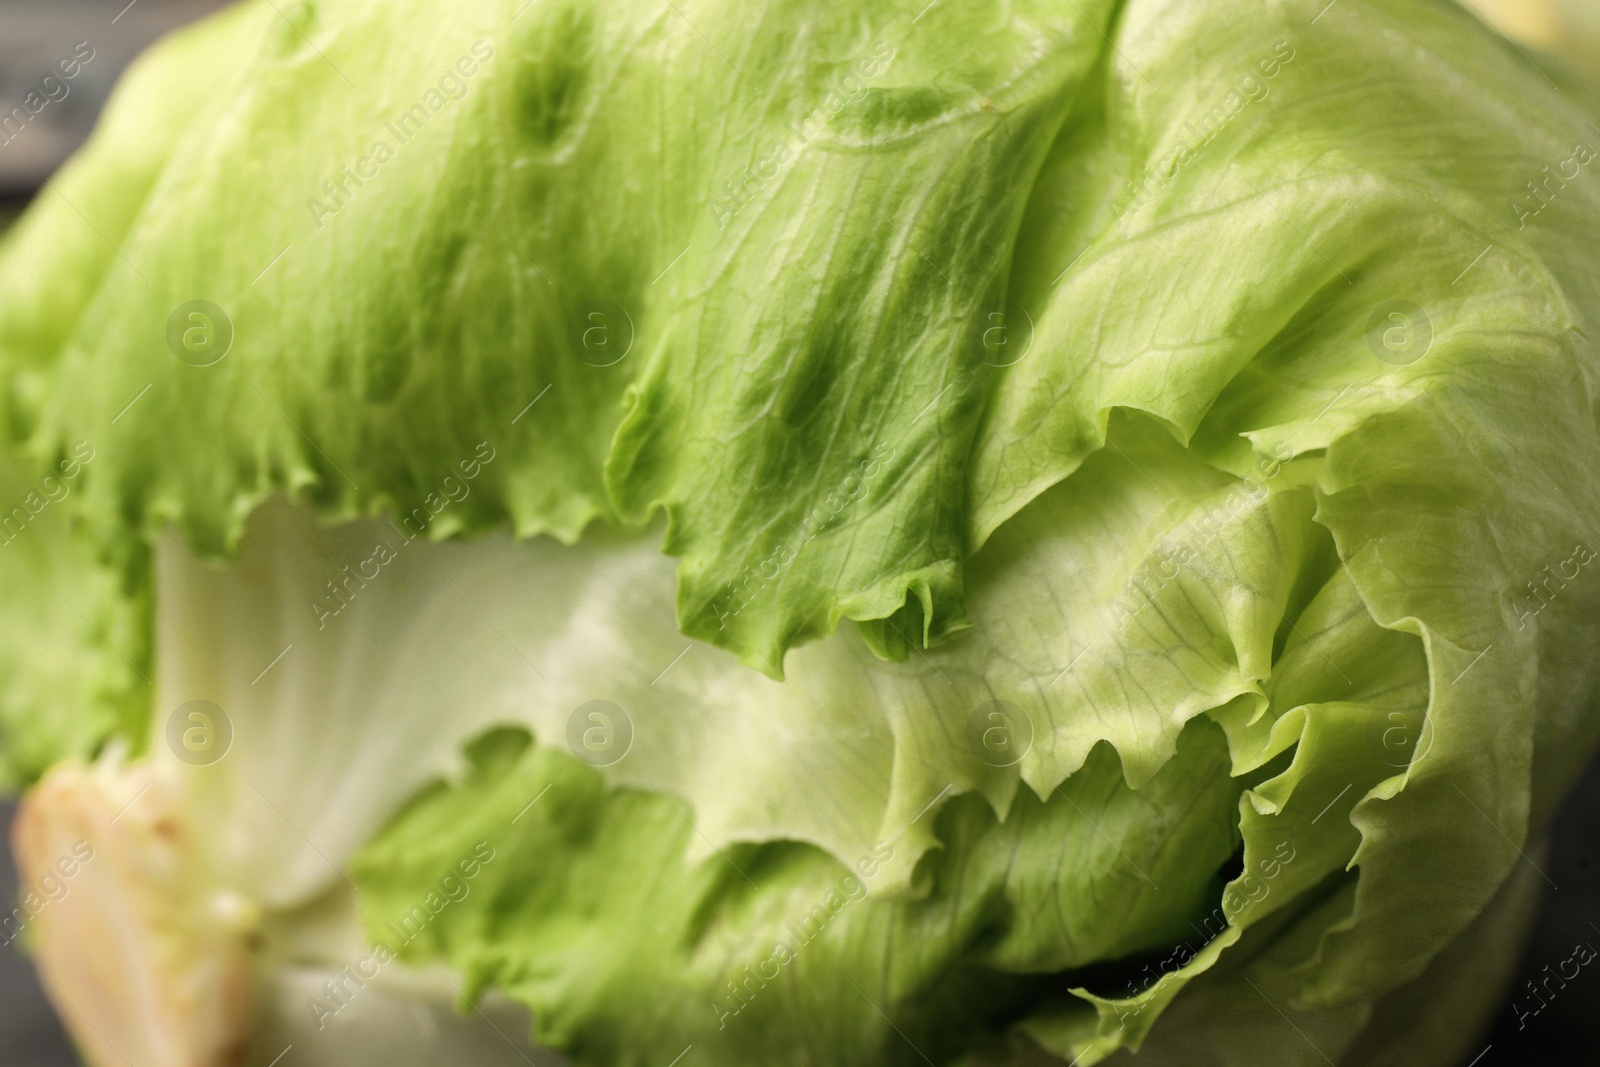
x=1106 y=360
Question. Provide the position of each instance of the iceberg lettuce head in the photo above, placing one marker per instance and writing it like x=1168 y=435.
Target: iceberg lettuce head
x=708 y=534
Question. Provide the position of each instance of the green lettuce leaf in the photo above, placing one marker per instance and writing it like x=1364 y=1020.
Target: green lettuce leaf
x=335 y=380
x=75 y=665
x=745 y=954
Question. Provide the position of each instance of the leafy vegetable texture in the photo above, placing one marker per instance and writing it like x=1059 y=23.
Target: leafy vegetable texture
x=965 y=533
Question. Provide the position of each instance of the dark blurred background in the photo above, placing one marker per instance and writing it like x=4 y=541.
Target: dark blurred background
x=36 y=34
